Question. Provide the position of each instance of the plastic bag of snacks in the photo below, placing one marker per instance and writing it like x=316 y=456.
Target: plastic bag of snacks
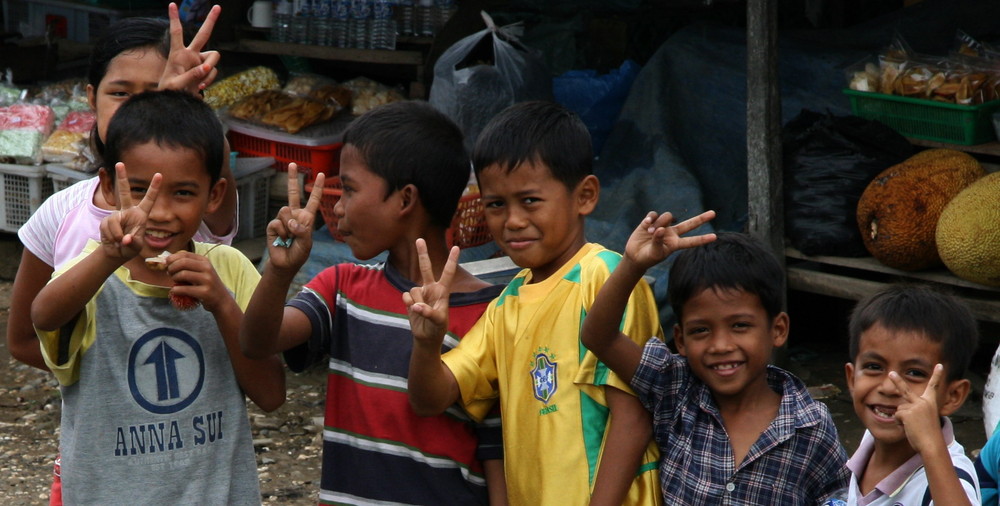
x=23 y=129
x=367 y=94
x=69 y=138
x=237 y=86
x=9 y=93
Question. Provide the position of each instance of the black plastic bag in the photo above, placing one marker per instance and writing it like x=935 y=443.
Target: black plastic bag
x=483 y=74
x=828 y=162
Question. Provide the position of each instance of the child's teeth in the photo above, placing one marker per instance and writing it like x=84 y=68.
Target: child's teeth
x=726 y=366
x=880 y=412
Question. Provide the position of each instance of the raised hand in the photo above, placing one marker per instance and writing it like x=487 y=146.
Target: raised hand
x=427 y=305
x=122 y=231
x=289 y=235
x=655 y=238
x=919 y=414
x=188 y=67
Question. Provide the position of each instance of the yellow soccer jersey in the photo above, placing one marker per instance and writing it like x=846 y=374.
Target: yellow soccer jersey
x=526 y=352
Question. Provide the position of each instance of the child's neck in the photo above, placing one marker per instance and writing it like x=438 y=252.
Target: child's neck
x=885 y=458
x=747 y=415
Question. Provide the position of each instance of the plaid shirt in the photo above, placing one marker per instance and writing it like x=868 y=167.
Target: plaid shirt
x=797 y=460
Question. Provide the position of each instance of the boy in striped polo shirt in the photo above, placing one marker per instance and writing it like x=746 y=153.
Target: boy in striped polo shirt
x=403 y=169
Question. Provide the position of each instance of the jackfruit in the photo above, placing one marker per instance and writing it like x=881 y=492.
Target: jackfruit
x=968 y=232
x=899 y=210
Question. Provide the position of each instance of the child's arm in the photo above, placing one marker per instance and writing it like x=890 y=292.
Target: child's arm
x=431 y=385
x=121 y=239
x=921 y=421
x=629 y=433
x=268 y=326
x=262 y=380
x=650 y=243
x=496 y=482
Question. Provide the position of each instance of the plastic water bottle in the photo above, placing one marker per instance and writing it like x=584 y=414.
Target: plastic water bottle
x=282 y=21
x=340 y=23
x=444 y=9
x=404 y=16
x=425 y=18
x=300 y=22
x=361 y=13
x=383 y=33
x=320 y=25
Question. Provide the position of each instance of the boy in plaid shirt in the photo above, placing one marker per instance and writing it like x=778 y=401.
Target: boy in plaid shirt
x=731 y=429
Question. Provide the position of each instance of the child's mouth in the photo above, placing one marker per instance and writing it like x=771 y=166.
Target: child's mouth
x=726 y=368
x=886 y=412
x=158 y=239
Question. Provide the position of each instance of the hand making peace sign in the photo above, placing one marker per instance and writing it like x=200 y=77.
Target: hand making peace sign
x=919 y=414
x=122 y=231
x=655 y=238
x=289 y=236
x=427 y=305
x=189 y=68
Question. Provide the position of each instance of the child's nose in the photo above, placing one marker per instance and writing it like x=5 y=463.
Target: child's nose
x=720 y=342
x=887 y=387
x=160 y=211
x=516 y=218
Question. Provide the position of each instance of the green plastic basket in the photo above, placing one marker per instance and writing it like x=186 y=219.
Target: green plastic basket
x=927 y=119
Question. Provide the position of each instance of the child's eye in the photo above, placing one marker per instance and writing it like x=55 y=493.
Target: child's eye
x=531 y=200
x=138 y=190
x=493 y=204
x=697 y=331
x=871 y=366
x=741 y=326
x=916 y=373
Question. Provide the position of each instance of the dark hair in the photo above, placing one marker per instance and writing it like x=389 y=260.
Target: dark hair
x=537 y=131
x=411 y=142
x=170 y=119
x=940 y=316
x=733 y=261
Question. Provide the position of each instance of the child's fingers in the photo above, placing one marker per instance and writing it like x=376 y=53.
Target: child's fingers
x=205 y=32
x=124 y=188
x=316 y=195
x=450 y=266
x=904 y=389
x=424 y=261
x=693 y=223
x=151 y=193
x=932 y=385
x=176 y=30
x=294 y=197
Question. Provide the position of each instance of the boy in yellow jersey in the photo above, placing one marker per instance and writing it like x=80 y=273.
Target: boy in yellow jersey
x=573 y=432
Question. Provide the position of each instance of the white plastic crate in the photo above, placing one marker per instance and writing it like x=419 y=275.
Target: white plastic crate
x=23 y=188
x=63 y=177
x=253 y=182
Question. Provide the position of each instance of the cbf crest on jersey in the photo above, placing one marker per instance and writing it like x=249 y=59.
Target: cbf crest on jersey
x=544 y=380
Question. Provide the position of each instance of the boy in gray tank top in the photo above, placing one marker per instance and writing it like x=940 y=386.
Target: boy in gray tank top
x=141 y=329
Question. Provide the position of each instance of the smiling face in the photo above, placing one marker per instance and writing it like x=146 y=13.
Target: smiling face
x=130 y=73
x=186 y=194
x=913 y=356
x=366 y=217
x=727 y=338
x=534 y=218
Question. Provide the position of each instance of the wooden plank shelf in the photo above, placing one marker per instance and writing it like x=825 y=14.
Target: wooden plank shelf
x=379 y=56
x=855 y=278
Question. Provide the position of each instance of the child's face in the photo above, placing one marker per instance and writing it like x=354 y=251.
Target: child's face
x=185 y=196
x=130 y=73
x=534 y=218
x=913 y=356
x=365 y=216
x=727 y=338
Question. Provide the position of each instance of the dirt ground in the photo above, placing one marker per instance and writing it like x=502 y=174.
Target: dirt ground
x=288 y=441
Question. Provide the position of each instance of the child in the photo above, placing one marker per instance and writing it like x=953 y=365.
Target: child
x=573 y=433
x=909 y=454
x=987 y=472
x=153 y=404
x=133 y=56
x=403 y=169
x=731 y=428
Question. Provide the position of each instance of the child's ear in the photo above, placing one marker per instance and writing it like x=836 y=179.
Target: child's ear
x=779 y=329
x=92 y=97
x=588 y=192
x=409 y=198
x=216 y=195
x=679 y=340
x=107 y=185
x=954 y=396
